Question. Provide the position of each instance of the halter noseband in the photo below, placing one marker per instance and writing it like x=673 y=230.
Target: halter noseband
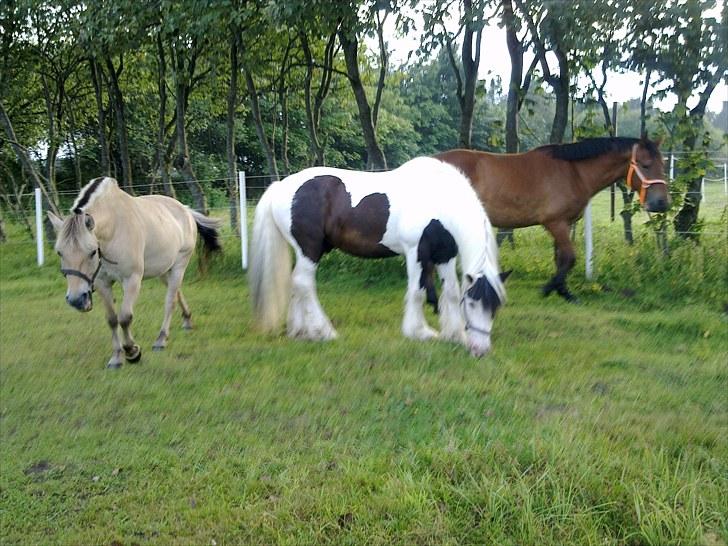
x=468 y=324
x=645 y=182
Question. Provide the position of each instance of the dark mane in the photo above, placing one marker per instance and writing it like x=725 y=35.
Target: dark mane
x=83 y=199
x=594 y=147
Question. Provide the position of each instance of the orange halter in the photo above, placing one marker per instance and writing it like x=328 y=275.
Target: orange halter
x=645 y=182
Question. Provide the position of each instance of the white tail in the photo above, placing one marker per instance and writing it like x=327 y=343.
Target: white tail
x=269 y=276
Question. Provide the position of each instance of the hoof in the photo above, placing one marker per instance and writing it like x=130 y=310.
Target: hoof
x=113 y=365
x=157 y=348
x=187 y=326
x=135 y=357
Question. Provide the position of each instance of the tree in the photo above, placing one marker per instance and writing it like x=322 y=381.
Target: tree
x=436 y=34
x=349 y=30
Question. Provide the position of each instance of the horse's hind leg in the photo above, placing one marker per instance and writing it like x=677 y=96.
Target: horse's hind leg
x=564 y=257
x=173 y=280
x=451 y=321
x=306 y=317
x=414 y=324
x=103 y=287
x=132 y=285
x=186 y=313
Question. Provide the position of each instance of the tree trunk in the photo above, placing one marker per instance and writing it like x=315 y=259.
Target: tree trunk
x=161 y=158
x=560 y=85
x=383 y=65
x=687 y=217
x=52 y=151
x=313 y=107
x=182 y=162
x=117 y=103
x=283 y=99
x=259 y=128
x=470 y=58
x=232 y=102
x=643 y=104
x=375 y=155
x=96 y=75
x=72 y=138
x=688 y=214
x=515 y=51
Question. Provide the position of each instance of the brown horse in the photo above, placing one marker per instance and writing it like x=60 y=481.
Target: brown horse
x=552 y=184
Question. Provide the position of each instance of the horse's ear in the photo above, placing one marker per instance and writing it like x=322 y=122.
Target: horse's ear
x=89 y=221
x=658 y=141
x=505 y=274
x=643 y=138
x=56 y=222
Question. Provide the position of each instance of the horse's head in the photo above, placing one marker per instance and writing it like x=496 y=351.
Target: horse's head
x=480 y=302
x=646 y=175
x=78 y=248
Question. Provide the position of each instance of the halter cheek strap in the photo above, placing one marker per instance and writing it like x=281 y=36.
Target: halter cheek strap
x=645 y=182
x=468 y=324
x=80 y=274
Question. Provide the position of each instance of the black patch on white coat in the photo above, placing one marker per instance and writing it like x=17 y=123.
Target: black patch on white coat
x=436 y=246
x=322 y=219
x=482 y=290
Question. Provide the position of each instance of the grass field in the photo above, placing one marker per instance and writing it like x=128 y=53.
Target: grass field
x=599 y=423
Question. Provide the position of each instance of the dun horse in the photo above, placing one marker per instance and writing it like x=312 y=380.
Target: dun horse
x=552 y=184
x=111 y=236
x=425 y=210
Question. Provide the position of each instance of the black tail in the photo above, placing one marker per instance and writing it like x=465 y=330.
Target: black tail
x=208 y=229
x=210 y=237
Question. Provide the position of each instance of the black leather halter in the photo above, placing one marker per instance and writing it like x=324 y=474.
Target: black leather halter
x=81 y=275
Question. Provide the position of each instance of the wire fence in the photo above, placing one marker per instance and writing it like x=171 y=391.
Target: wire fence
x=714 y=205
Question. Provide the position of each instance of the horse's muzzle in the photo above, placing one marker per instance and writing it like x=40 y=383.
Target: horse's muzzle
x=658 y=204
x=82 y=302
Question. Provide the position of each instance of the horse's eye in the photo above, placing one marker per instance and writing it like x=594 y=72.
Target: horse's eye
x=471 y=304
x=59 y=253
x=93 y=253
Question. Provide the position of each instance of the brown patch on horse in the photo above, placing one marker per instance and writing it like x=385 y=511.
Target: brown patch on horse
x=322 y=218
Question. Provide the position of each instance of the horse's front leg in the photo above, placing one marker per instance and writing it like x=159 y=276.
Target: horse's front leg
x=414 y=324
x=173 y=280
x=564 y=257
x=103 y=287
x=452 y=325
x=132 y=285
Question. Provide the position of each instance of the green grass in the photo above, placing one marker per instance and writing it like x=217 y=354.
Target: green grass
x=599 y=423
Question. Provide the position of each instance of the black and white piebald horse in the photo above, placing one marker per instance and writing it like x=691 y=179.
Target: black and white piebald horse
x=426 y=210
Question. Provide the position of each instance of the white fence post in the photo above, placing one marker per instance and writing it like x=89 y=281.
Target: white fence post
x=672 y=167
x=702 y=189
x=588 y=246
x=39 y=227
x=725 y=178
x=243 y=220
